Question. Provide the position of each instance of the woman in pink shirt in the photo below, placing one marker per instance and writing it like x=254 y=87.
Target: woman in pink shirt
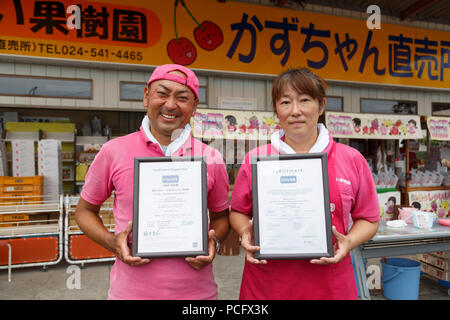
x=298 y=97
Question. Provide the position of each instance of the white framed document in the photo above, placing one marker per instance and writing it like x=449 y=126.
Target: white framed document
x=291 y=206
x=169 y=207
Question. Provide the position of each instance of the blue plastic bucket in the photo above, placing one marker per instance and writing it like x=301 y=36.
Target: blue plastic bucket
x=401 y=278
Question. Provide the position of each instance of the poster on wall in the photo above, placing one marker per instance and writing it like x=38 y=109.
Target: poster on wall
x=387 y=201
x=234 y=125
x=436 y=201
x=439 y=128
x=373 y=126
x=228 y=36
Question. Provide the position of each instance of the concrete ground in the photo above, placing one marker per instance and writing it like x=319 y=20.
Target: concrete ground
x=33 y=283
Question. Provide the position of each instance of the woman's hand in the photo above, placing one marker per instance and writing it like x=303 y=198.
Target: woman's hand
x=121 y=249
x=341 y=248
x=247 y=243
x=199 y=262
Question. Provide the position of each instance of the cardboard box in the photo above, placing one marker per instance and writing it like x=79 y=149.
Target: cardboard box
x=441 y=254
x=438 y=262
x=72 y=221
x=49 y=165
x=41 y=218
x=14 y=217
x=6 y=225
x=23 y=158
x=436 y=272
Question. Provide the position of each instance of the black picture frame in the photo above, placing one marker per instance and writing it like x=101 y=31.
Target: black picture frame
x=325 y=209
x=203 y=247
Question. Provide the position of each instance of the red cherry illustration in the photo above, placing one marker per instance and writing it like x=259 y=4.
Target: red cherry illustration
x=208 y=35
x=394 y=131
x=182 y=51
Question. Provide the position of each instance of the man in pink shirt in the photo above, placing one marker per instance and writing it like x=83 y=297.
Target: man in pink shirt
x=171 y=98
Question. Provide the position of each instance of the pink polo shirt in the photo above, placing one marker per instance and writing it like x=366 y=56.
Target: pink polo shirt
x=353 y=175
x=162 y=278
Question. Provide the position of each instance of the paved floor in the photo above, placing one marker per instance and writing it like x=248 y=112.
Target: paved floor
x=55 y=283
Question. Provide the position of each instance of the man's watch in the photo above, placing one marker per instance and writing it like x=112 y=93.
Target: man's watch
x=217 y=243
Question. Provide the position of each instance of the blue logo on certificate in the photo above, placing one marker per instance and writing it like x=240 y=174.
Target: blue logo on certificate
x=288 y=179
x=170 y=179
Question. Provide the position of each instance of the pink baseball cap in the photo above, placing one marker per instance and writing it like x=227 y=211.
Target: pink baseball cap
x=162 y=73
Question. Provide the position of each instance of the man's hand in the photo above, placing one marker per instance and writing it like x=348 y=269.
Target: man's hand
x=199 y=262
x=121 y=249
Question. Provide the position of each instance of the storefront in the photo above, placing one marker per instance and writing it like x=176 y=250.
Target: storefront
x=90 y=76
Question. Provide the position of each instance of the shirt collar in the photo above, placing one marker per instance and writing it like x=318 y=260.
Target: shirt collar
x=175 y=144
x=319 y=146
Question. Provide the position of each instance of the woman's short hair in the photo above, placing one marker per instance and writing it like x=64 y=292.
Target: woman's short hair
x=301 y=80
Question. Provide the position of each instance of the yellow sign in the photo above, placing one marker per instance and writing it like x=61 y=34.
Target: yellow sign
x=226 y=36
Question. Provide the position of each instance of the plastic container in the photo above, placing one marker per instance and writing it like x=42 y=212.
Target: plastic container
x=423 y=220
x=405 y=214
x=401 y=278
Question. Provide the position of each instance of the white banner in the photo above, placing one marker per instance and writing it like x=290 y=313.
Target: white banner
x=373 y=126
x=436 y=201
x=439 y=128
x=230 y=124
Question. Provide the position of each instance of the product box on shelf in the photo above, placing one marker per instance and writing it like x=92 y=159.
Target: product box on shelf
x=11 y=220
x=16 y=190
x=3 y=159
x=436 y=272
x=436 y=261
x=14 y=217
x=23 y=158
x=441 y=254
x=49 y=164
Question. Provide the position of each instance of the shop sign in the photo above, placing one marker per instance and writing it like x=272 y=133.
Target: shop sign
x=226 y=36
x=373 y=126
x=439 y=128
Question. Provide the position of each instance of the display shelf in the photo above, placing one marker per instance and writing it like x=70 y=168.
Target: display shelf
x=23 y=135
x=64 y=132
x=87 y=148
x=36 y=240
x=78 y=248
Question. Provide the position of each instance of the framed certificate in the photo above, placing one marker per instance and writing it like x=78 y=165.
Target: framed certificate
x=291 y=206
x=169 y=207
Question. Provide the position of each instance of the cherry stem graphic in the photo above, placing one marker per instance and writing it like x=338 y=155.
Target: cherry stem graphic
x=175 y=21
x=184 y=5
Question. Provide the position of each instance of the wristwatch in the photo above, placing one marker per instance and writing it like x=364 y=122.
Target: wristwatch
x=217 y=243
